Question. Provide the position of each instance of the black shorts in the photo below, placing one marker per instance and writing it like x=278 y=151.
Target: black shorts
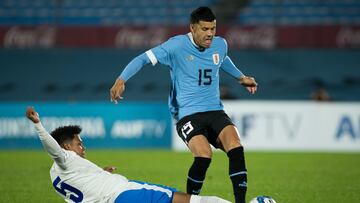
x=209 y=124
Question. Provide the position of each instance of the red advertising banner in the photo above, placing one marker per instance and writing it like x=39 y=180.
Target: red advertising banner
x=28 y=37
x=238 y=37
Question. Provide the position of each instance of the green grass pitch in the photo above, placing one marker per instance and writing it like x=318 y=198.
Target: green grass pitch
x=287 y=177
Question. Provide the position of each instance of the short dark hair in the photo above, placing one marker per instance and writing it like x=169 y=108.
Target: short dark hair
x=65 y=133
x=202 y=14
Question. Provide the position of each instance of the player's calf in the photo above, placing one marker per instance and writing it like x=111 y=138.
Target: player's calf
x=238 y=173
x=196 y=175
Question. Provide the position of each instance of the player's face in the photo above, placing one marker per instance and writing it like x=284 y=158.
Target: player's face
x=76 y=145
x=203 y=33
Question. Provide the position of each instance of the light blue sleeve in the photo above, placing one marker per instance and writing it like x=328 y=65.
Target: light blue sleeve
x=163 y=53
x=134 y=66
x=229 y=67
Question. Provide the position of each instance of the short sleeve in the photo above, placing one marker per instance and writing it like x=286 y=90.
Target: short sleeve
x=226 y=49
x=162 y=53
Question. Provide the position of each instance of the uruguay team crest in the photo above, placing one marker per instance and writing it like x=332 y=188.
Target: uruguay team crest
x=216 y=59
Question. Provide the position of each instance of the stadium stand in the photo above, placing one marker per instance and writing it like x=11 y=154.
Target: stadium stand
x=77 y=74
x=144 y=12
x=300 y=12
x=97 y=12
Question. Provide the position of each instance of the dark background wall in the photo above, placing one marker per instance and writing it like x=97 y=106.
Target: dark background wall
x=87 y=74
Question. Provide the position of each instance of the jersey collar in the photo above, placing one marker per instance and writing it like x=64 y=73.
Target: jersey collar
x=192 y=39
x=201 y=49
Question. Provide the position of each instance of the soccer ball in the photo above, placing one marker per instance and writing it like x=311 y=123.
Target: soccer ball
x=263 y=199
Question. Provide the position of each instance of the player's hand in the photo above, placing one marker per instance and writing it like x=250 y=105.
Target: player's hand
x=116 y=90
x=32 y=115
x=249 y=83
x=109 y=169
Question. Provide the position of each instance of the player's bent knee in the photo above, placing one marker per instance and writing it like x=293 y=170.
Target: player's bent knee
x=200 y=149
x=202 y=153
x=229 y=138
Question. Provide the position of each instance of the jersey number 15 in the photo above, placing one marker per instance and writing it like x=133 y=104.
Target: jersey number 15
x=206 y=76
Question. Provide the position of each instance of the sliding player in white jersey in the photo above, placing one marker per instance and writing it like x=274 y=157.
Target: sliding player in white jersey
x=77 y=179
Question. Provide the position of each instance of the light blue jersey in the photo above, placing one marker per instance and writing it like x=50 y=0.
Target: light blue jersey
x=194 y=73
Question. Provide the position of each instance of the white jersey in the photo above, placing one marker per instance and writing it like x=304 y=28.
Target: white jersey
x=77 y=179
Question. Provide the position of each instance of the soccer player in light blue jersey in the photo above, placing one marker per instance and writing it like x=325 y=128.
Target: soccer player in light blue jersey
x=194 y=60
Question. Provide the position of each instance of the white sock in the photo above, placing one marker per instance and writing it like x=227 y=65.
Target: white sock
x=195 y=199
x=207 y=199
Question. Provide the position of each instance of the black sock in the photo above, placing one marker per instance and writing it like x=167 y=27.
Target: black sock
x=196 y=175
x=238 y=173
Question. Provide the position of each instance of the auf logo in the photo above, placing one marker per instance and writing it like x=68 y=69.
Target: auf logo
x=346 y=127
x=190 y=58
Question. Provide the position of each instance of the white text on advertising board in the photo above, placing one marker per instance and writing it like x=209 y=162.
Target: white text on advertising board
x=138 y=128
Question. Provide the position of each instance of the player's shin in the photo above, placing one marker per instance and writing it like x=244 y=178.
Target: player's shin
x=238 y=173
x=196 y=175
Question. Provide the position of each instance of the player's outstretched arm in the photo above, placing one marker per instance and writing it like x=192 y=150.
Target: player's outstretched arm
x=249 y=83
x=49 y=143
x=130 y=70
x=117 y=90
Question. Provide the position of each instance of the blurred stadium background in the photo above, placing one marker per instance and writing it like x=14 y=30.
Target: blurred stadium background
x=62 y=56
x=292 y=47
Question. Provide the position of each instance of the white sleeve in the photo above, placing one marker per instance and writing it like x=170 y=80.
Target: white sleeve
x=50 y=145
x=152 y=57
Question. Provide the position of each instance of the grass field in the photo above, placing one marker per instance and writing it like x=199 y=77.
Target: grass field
x=288 y=177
